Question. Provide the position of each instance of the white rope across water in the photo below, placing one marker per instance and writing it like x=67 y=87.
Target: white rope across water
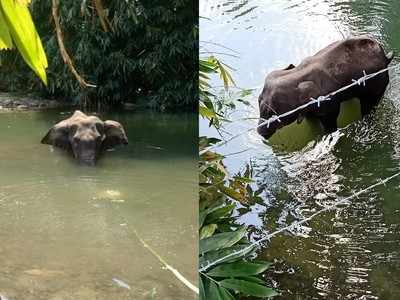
x=294 y=224
x=275 y=118
x=167 y=266
x=174 y=271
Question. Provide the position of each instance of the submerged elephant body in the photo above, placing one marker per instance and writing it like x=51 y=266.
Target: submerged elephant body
x=86 y=136
x=328 y=70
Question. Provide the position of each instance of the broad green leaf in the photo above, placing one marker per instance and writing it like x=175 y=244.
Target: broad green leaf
x=5 y=37
x=243 y=179
x=221 y=240
x=240 y=250
x=213 y=292
x=225 y=294
x=206 y=141
x=211 y=156
x=23 y=2
x=206 y=207
x=24 y=35
x=252 y=279
x=248 y=288
x=202 y=292
x=210 y=206
x=239 y=268
x=219 y=213
x=208 y=230
x=232 y=193
x=202 y=217
x=215 y=172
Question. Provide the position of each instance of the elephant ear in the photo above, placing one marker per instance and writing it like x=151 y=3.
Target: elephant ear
x=114 y=134
x=58 y=136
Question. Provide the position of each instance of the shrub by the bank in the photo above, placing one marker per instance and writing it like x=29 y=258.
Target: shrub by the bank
x=226 y=269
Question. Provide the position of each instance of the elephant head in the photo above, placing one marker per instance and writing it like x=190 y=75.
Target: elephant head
x=86 y=136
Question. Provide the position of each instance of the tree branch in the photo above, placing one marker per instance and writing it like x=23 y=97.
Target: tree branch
x=64 y=54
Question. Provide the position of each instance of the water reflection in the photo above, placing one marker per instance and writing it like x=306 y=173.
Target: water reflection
x=352 y=252
x=66 y=231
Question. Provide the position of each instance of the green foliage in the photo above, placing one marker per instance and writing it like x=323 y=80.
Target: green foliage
x=235 y=275
x=207 y=109
x=147 y=57
x=220 y=236
x=214 y=106
x=17 y=28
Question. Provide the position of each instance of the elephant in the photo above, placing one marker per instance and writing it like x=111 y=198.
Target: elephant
x=86 y=136
x=328 y=70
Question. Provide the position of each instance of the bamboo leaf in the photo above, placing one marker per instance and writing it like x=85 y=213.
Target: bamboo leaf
x=206 y=113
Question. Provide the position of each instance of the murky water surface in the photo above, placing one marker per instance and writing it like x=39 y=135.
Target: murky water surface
x=68 y=232
x=351 y=253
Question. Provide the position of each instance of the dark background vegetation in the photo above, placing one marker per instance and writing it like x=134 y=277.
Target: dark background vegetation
x=149 y=57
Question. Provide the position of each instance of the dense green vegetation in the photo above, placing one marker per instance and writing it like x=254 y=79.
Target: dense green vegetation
x=143 y=52
x=220 y=236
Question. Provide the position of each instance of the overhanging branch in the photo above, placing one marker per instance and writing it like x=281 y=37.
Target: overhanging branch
x=64 y=54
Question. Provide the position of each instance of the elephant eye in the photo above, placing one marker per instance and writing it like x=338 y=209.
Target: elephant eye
x=73 y=128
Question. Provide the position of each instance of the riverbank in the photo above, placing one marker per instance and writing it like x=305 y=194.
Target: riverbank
x=11 y=101
x=26 y=102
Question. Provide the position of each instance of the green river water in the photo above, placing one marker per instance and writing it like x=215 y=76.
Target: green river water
x=349 y=253
x=67 y=231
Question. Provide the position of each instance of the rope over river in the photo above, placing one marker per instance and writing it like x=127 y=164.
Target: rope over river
x=351 y=252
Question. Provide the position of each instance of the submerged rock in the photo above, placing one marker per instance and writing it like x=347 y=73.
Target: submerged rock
x=110 y=195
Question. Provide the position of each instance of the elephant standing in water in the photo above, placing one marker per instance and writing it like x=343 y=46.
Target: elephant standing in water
x=86 y=136
x=328 y=70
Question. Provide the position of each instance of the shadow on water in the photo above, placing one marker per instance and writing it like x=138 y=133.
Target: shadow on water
x=353 y=252
x=67 y=231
